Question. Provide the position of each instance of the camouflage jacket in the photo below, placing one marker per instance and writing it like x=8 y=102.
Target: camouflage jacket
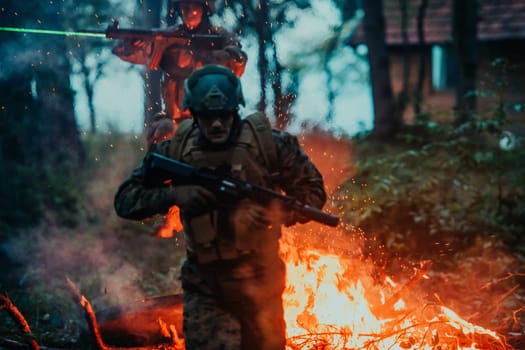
x=298 y=177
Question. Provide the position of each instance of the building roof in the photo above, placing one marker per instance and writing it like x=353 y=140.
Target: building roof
x=499 y=20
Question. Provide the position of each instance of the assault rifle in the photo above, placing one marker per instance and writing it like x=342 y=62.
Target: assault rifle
x=163 y=39
x=161 y=168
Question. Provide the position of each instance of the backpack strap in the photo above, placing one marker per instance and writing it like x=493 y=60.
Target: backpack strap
x=178 y=141
x=262 y=130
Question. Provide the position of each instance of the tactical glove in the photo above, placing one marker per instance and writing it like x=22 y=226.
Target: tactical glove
x=290 y=218
x=134 y=51
x=193 y=200
x=234 y=53
x=250 y=216
x=160 y=129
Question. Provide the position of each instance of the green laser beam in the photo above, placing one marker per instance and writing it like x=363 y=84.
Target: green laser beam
x=53 y=32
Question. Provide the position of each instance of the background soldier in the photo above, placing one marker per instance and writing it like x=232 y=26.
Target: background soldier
x=233 y=277
x=178 y=61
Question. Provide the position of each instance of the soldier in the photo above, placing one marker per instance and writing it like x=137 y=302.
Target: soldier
x=233 y=277
x=178 y=61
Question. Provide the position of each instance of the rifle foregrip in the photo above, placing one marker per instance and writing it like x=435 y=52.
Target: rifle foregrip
x=319 y=215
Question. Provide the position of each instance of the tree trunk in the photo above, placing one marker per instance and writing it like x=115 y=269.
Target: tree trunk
x=152 y=78
x=55 y=96
x=418 y=98
x=329 y=83
x=263 y=38
x=281 y=106
x=39 y=138
x=402 y=97
x=89 y=88
x=464 y=30
x=386 y=119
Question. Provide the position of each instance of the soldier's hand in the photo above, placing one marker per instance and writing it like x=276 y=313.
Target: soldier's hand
x=227 y=56
x=193 y=200
x=160 y=130
x=139 y=43
x=185 y=58
x=290 y=218
x=134 y=51
x=235 y=53
x=250 y=216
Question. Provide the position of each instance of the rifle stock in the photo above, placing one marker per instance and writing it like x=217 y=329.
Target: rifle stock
x=161 y=168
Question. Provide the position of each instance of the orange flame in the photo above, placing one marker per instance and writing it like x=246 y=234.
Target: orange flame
x=330 y=304
x=170 y=224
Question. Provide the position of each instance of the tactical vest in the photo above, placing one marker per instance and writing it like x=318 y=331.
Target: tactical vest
x=252 y=158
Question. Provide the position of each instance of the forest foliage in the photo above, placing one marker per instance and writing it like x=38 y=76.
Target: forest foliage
x=438 y=182
x=442 y=181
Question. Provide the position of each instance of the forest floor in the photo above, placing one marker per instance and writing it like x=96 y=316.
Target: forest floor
x=114 y=261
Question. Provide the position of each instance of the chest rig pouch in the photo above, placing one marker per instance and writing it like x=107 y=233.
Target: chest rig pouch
x=252 y=158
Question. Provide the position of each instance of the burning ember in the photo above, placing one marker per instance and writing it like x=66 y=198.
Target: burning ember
x=332 y=303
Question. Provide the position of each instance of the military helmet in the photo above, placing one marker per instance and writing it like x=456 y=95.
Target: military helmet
x=212 y=88
x=209 y=5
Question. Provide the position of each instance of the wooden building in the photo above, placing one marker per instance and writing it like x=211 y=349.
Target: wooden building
x=501 y=48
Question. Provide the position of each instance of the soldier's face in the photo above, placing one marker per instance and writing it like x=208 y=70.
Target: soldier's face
x=191 y=14
x=216 y=127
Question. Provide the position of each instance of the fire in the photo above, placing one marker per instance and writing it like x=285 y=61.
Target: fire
x=171 y=223
x=320 y=301
x=331 y=304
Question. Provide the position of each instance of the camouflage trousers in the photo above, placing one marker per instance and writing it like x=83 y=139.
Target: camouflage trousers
x=232 y=306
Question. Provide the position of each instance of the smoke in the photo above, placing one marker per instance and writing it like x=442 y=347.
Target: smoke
x=112 y=261
x=17 y=55
x=331 y=155
x=50 y=255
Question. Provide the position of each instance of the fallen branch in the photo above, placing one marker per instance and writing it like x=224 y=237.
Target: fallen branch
x=418 y=274
x=516 y=324
x=319 y=340
x=501 y=279
x=6 y=343
x=88 y=312
x=496 y=305
x=6 y=303
x=440 y=329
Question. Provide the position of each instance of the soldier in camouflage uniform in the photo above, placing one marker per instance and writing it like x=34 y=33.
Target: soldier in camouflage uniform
x=177 y=62
x=233 y=277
